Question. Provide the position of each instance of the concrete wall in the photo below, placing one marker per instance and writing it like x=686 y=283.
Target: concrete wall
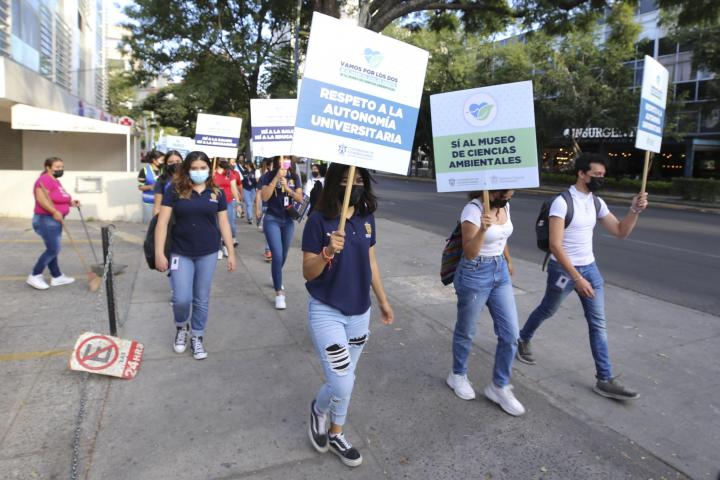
x=11 y=143
x=80 y=151
x=119 y=199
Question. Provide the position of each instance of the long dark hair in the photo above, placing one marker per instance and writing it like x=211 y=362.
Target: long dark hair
x=330 y=204
x=276 y=164
x=183 y=184
x=172 y=153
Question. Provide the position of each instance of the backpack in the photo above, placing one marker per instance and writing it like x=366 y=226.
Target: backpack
x=452 y=253
x=149 y=243
x=542 y=224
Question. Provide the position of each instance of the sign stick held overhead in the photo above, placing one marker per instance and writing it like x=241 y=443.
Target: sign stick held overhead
x=651 y=120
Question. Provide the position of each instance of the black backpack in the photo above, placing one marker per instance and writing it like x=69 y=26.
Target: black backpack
x=542 y=224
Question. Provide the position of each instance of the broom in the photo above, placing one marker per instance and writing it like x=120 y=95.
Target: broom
x=94 y=281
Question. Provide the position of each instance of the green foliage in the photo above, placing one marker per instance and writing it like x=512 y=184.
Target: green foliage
x=698 y=189
x=121 y=93
x=612 y=184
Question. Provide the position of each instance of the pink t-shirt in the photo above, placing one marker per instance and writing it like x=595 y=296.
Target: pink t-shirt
x=60 y=198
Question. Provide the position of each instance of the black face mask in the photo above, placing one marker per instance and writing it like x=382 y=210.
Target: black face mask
x=356 y=195
x=58 y=173
x=315 y=174
x=170 y=169
x=498 y=203
x=595 y=184
x=223 y=165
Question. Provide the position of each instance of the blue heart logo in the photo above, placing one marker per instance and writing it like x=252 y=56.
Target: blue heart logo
x=373 y=57
x=481 y=111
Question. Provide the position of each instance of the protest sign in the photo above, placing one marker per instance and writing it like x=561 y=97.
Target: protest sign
x=653 y=99
x=359 y=98
x=184 y=145
x=484 y=138
x=217 y=135
x=273 y=123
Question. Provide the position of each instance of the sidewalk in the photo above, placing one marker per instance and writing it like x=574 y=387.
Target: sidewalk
x=664 y=201
x=242 y=412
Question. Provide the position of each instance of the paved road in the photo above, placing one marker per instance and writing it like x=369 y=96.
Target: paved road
x=672 y=255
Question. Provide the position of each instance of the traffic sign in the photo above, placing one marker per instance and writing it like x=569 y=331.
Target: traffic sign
x=106 y=355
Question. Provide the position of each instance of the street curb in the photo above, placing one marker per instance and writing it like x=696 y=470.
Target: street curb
x=614 y=196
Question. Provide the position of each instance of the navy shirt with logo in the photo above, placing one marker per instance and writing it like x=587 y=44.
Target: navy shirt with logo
x=344 y=284
x=196 y=231
x=280 y=200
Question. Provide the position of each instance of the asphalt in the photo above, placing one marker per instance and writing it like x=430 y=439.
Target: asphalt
x=672 y=255
x=242 y=413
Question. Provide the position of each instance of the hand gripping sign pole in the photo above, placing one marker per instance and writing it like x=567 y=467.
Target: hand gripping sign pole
x=651 y=120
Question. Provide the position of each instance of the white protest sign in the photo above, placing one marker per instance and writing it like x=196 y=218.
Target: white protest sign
x=218 y=135
x=359 y=98
x=484 y=138
x=273 y=123
x=184 y=145
x=653 y=100
x=106 y=355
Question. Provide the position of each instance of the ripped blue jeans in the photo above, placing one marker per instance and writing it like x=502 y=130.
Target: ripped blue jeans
x=339 y=340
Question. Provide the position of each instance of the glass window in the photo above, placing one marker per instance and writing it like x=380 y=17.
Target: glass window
x=644 y=47
x=666 y=47
x=708 y=89
x=646 y=6
x=684 y=70
x=710 y=119
x=685 y=91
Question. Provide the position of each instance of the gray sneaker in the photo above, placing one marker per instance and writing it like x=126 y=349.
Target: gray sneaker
x=524 y=353
x=612 y=388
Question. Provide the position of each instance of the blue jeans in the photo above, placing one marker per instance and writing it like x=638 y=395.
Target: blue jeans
x=279 y=234
x=485 y=280
x=559 y=285
x=232 y=214
x=339 y=340
x=191 y=279
x=51 y=232
x=249 y=200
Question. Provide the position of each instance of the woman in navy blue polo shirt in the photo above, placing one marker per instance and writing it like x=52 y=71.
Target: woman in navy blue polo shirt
x=281 y=186
x=200 y=210
x=340 y=268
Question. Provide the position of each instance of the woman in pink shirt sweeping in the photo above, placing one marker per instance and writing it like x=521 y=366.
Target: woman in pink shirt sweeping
x=52 y=204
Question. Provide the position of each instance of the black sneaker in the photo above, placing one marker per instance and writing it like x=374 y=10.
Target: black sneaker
x=180 y=339
x=524 y=353
x=612 y=388
x=343 y=449
x=198 y=350
x=317 y=430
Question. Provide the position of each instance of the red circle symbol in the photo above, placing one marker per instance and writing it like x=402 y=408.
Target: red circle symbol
x=99 y=354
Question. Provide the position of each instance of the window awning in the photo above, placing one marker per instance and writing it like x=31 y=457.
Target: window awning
x=25 y=117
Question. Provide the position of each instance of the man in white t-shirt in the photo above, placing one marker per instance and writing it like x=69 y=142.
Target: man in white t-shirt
x=572 y=267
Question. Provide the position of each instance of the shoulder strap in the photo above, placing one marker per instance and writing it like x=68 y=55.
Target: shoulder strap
x=596 y=200
x=570 y=207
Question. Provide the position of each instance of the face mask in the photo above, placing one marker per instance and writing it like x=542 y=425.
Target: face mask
x=286 y=164
x=58 y=173
x=199 y=176
x=498 y=203
x=315 y=174
x=170 y=169
x=356 y=195
x=595 y=184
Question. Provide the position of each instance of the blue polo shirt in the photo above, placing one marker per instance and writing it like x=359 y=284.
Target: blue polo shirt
x=345 y=284
x=280 y=200
x=196 y=232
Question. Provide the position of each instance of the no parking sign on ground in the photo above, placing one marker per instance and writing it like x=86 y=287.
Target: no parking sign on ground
x=106 y=355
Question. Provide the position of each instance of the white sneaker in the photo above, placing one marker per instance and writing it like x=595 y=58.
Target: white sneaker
x=461 y=386
x=220 y=254
x=61 y=280
x=224 y=252
x=280 y=302
x=37 y=281
x=504 y=397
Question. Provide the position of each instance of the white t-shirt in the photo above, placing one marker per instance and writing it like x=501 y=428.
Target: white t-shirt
x=496 y=235
x=577 y=241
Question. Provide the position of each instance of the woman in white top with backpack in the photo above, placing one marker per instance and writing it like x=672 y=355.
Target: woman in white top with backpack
x=483 y=278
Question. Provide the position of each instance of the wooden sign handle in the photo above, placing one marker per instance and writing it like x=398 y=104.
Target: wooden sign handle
x=346 y=199
x=645 y=172
x=486 y=205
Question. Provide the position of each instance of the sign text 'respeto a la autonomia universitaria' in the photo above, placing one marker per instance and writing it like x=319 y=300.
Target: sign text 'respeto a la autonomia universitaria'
x=484 y=152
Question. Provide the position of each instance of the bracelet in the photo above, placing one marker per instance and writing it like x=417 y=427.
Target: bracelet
x=636 y=212
x=575 y=279
x=328 y=258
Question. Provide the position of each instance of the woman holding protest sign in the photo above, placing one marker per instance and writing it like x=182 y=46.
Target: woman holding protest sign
x=281 y=187
x=483 y=277
x=340 y=266
x=200 y=211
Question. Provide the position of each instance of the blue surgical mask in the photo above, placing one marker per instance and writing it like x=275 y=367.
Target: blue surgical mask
x=199 y=176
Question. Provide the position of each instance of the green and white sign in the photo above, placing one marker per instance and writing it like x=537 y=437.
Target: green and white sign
x=484 y=138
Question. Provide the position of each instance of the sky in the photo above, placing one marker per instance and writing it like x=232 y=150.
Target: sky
x=115 y=7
